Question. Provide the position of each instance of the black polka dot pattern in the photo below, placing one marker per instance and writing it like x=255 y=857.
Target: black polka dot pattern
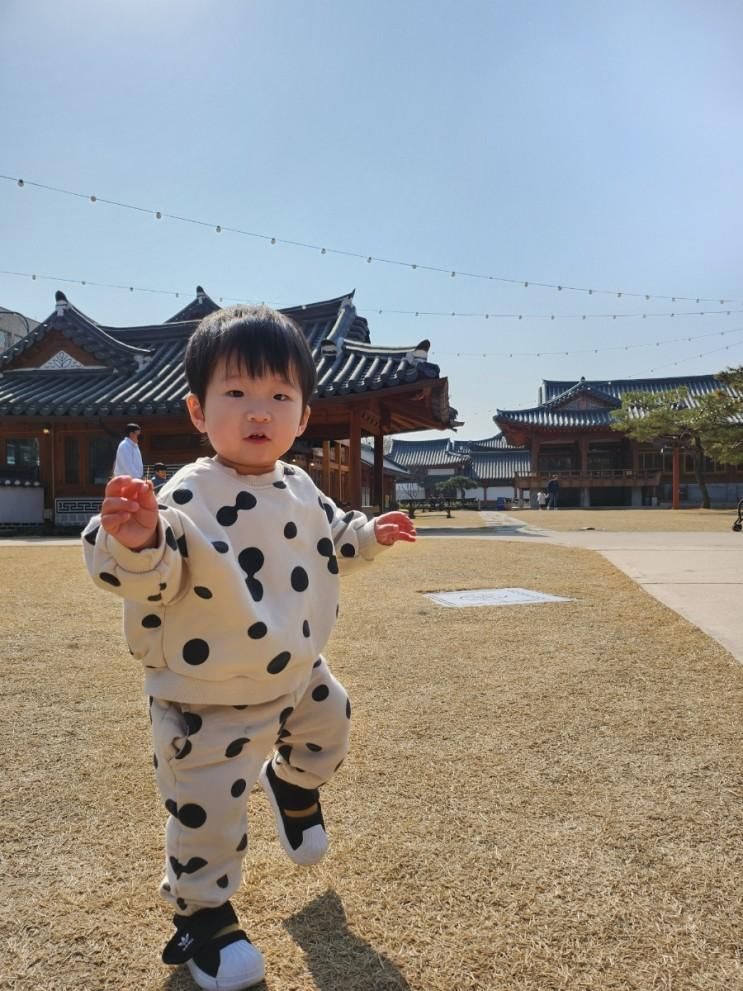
x=194 y=864
x=286 y=752
x=184 y=751
x=314 y=747
x=238 y=788
x=279 y=485
x=243 y=843
x=182 y=496
x=348 y=708
x=348 y=550
x=109 y=579
x=90 y=537
x=317 y=663
x=257 y=631
x=170 y=539
x=223 y=881
x=192 y=815
x=236 y=747
x=195 y=651
x=349 y=517
x=220 y=546
x=203 y=592
x=288 y=470
x=299 y=579
x=182 y=904
x=155 y=598
x=328 y=511
x=171 y=806
x=194 y=722
x=326 y=549
x=151 y=622
x=182 y=545
x=227 y=515
x=320 y=693
x=285 y=713
x=251 y=561
x=290 y=531
x=279 y=662
x=305 y=629
x=163 y=586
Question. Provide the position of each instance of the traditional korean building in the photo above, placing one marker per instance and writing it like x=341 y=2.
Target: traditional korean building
x=568 y=434
x=492 y=464
x=70 y=386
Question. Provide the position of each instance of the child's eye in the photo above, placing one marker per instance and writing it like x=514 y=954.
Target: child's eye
x=234 y=393
x=281 y=396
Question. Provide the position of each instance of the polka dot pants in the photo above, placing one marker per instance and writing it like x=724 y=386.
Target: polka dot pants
x=207 y=759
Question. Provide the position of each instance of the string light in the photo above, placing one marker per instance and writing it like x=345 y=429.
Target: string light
x=415 y=313
x=576 y=351
x=23 y=183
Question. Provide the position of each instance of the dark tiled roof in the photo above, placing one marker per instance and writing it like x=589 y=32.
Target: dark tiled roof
x=697 y=385
x=557 y=411
x=500 y=466
x=367 y=456
x=489 y=460
x=142 y=367
x=425 y=453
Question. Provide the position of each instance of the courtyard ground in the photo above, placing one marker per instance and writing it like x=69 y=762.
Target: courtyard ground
x=538 y=797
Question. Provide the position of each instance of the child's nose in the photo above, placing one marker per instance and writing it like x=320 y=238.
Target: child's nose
x=259 y=413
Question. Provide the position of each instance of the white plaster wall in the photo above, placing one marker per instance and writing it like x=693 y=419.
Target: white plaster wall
x=21 y=505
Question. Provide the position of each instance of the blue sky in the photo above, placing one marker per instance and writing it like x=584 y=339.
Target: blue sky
x=578 y=143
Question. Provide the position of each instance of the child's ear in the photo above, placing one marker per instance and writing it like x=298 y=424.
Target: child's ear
x=196 y=412
x=304 y=421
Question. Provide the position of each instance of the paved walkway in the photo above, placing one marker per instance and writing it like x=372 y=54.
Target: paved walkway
x=699 y=575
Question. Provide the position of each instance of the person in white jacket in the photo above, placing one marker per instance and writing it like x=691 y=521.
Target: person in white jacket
x=128 y=455
x=230 y=584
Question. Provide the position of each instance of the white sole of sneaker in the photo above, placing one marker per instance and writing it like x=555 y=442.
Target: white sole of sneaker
x=246 y=974
x=315 y=843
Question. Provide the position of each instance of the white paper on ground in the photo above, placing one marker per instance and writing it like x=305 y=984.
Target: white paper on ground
x=492 y=597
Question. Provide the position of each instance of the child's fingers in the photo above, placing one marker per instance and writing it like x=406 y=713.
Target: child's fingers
x=119 y=504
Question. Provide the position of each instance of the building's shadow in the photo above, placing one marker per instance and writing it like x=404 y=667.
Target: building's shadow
x=337 y=959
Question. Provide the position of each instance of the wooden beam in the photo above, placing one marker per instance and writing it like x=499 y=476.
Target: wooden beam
x=354 y=454
x=378 y=492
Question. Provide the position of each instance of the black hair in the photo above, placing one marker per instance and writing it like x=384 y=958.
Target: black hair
x=261 y=340
x=132 y=428
x=159 y=466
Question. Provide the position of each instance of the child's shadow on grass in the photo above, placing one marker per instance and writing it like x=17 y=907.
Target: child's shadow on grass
x=336 y=958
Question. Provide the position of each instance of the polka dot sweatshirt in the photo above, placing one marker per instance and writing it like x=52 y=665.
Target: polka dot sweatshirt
x=240 y=596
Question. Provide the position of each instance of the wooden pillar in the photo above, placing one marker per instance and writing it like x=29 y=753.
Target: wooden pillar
x=326 y=467
x=583 y=443
x=378 y=491
x=676 y=478
x=354 y=455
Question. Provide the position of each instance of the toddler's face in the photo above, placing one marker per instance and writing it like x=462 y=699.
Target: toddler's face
x=250 y=422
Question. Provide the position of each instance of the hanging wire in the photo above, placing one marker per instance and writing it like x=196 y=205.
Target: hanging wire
x=387 y=311
x=364 y=256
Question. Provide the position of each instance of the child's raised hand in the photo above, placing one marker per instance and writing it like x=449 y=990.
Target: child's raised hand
x=390 y=527
x=129 y=512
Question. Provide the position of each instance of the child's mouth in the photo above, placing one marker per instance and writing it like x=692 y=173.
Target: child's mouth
x=257 y=438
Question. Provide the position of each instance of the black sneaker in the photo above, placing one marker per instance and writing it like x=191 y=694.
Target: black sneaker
x=219 y=960
x=304 y=839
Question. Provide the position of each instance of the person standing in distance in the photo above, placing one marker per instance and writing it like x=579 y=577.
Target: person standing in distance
x=128 y=455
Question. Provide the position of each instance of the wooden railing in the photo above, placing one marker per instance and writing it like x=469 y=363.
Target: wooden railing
x=591 y=476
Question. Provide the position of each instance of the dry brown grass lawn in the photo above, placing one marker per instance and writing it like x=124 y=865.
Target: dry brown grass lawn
x=538 y=797
x=631 y=520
